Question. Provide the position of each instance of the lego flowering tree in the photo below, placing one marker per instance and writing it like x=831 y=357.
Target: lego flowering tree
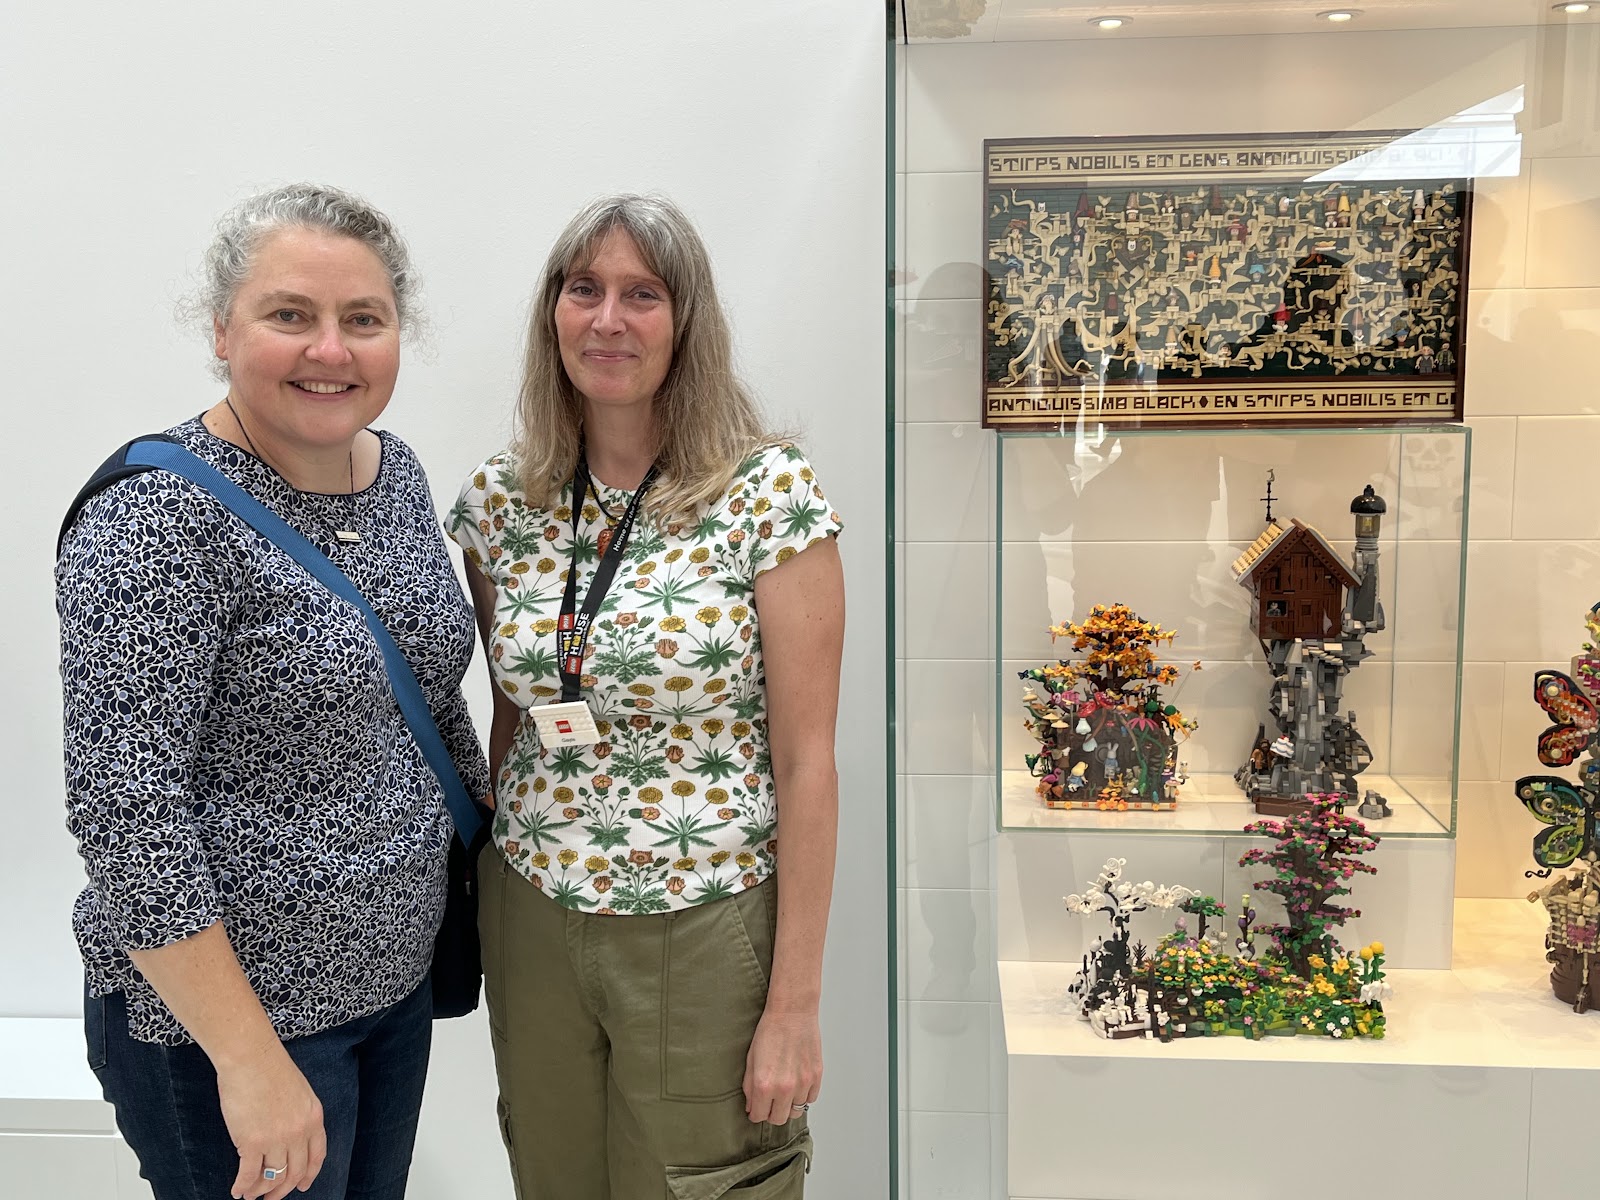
x=1204 y=909
x=1107 y=738
x=1317 y=855
x=1108 y=971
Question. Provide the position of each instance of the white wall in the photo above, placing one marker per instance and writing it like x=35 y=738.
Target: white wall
x=479 y=127
x=1533 y=563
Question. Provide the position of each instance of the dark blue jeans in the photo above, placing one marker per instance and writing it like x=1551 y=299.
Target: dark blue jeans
x=367 y=1073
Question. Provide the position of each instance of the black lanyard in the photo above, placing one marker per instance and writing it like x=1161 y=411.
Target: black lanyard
x=572 y=626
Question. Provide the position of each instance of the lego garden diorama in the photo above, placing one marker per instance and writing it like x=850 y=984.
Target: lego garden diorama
x=1110 y=735
x=1303 y=983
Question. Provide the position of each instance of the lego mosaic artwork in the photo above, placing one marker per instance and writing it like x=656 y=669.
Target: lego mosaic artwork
x=1572 y=810
x=1222 y=281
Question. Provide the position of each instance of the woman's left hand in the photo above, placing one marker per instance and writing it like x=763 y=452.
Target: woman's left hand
x=783 y=1069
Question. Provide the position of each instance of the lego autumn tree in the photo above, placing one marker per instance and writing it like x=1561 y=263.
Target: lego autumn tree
x=1118 y=651
x=1317 y=854
x=1107 y=739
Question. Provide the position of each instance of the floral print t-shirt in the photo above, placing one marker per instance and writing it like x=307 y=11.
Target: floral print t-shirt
x=675 y=805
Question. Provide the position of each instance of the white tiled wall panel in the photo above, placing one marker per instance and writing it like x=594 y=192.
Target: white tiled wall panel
x=1523 y=350
x=955 y=1050
x=1563 y=223
x=953 y=733
x=1493 y=477
x=1555 y=457
x=946 y=835
x=948 y=1156
x=949 y=946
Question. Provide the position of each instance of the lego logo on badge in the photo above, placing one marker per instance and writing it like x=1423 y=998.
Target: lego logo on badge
x=563 y=726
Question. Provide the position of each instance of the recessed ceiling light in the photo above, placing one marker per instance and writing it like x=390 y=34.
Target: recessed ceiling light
x=1340 y=15
x=1573 y=8
x=1109 y=22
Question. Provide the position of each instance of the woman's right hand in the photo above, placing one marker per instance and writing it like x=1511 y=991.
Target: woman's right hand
x=273 y=1116
x=275 y=1120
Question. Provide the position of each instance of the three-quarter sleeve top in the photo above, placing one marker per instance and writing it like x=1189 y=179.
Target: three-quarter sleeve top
x=233 y=749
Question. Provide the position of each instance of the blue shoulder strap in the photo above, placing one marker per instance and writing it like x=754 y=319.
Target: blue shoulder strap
x=169 y=456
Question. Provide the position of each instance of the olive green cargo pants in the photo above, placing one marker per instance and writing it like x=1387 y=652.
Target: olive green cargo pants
x=620 y=1045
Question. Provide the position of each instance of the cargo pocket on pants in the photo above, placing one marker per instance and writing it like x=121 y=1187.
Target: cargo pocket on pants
x=776 y=1175
x=508 y=1135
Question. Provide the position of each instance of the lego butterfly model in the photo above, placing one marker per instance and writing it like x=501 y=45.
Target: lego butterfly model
x=1569 y=808
x=1572 y=810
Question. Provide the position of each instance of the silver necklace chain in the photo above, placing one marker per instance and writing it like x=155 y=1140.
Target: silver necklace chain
x=342 y=536
x=615 y=515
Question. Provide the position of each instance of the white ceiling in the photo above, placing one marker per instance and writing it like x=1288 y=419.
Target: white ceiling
x=1060 y=20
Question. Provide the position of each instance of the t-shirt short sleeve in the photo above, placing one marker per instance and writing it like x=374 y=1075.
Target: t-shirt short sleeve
x=470 y=523
x=785 y=507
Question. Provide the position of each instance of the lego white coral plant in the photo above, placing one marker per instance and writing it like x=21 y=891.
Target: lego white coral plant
x=1115 y=896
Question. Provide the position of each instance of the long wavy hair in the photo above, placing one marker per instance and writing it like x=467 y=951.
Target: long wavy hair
x=706 y=421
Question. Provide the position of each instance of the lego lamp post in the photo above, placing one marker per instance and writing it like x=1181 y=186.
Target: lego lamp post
x=1368 y=509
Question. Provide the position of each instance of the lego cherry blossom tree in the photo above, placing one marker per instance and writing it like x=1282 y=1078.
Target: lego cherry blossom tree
x=1316 y=856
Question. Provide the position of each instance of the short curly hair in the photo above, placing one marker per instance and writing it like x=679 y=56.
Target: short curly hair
x=243 y=229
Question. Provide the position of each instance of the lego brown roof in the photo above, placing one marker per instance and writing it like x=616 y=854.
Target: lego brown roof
x=1276 y=540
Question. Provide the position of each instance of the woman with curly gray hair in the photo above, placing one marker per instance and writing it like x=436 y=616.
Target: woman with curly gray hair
x=264 y=839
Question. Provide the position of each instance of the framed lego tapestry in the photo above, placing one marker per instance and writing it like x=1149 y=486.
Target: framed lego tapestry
x=1308 y=279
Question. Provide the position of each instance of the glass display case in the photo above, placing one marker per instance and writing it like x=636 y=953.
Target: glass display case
x=1162 y=522
x=1002 y=532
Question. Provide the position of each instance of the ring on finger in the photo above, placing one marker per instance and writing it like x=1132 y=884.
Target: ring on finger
x=271 y=1173
x=799 y=1108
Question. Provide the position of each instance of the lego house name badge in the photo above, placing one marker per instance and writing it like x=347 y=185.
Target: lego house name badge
x=1220 y=281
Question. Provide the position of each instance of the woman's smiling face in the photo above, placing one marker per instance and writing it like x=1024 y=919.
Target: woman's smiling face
x=614 y=326
x=312 y=341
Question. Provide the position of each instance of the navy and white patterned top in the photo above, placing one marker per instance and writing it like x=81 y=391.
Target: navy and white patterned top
x=233 y=749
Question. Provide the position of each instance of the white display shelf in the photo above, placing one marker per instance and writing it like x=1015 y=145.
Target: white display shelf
x=57 y=1136
x=45 y=1084
x=1481 y=1058
x=1212 y=804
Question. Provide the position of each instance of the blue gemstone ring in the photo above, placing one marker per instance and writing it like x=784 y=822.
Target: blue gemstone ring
x=271 y=1173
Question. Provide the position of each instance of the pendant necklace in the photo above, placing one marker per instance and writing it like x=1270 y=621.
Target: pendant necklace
x=344 y=536
x=611 y=516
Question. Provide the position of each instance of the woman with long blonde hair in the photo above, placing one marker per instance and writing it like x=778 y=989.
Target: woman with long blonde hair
x=660 y=595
